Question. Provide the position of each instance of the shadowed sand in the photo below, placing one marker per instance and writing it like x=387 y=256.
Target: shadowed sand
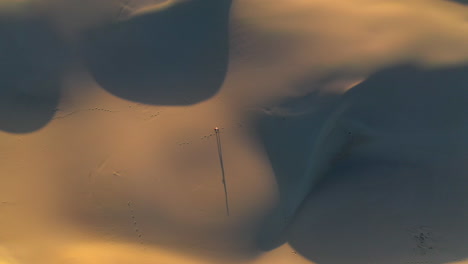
x=33 y=59
x=177 y=56
x=357 y=131
x=343 y=127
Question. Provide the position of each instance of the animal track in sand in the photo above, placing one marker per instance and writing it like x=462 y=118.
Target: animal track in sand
x=134 y=222
x=100 y=109
x=73 y=112
x=140 y=110
x=184 y=143
x=152 y=116
x=144 y=110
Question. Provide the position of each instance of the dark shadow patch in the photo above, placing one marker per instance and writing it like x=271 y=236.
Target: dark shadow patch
x=176 y=56
x=465 y=2
x=404 y=203
x=32 y=61
x=287 y=132
x=375 y=211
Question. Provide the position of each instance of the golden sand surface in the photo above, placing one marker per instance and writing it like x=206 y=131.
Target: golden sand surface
x=342 y=131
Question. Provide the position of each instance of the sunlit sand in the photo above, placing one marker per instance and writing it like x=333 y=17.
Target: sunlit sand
x=243 y=131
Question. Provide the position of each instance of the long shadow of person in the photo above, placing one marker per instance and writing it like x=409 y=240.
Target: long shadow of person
x=176 y=55
x=395 y=193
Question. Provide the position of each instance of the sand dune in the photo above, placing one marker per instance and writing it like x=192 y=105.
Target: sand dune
x=343 y=127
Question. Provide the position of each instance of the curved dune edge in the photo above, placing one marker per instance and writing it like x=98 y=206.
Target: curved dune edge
x=157 y=7
x=99 y=152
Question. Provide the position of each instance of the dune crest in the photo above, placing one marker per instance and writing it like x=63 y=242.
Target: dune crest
x=342 y=124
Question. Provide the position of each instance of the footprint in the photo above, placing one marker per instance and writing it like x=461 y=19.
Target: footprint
x=425 y=241
x=134 y=221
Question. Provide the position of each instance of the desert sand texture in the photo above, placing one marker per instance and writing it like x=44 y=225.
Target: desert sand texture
x=342 y=131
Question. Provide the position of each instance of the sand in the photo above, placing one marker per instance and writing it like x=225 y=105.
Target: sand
x=342 y=127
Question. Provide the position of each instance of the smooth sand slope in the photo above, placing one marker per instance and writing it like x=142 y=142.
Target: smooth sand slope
x=343 y=131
